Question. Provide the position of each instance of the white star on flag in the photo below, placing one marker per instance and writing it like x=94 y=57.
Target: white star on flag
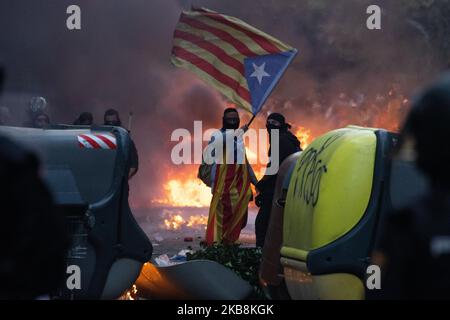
x=259 y=72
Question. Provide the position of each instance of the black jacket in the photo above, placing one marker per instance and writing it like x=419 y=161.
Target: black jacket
x=289 y=144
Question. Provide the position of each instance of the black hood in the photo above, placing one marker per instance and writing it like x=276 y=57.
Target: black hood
x=293 y=139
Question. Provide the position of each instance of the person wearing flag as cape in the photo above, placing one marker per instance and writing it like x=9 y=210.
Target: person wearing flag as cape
x=230 y=178
x=244 y=64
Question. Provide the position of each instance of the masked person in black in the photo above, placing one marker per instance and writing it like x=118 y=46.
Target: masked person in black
x=112 y=118
x=231 y=176
x=85 y=119
x=413 y=251
x=37 y=116
x=41 y=120
x=288 y=144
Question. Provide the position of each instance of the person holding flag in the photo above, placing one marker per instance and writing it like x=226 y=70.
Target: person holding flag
x=230 y=179
x=244 y=64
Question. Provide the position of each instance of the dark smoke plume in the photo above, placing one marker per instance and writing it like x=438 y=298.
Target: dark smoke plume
x=121 y=57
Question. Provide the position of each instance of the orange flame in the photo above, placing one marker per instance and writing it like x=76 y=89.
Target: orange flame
x=175 y=221
x=184 y=189
x=187 y=192
x=131 y=294
x=197 y=221
x=304 y=136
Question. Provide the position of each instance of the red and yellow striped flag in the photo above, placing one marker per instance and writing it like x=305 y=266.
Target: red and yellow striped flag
x=228 y=210
x=240 y=61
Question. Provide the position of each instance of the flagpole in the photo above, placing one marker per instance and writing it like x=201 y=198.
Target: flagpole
x=130 y=118
x=251 y=120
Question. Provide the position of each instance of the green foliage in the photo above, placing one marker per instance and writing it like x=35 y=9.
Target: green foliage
x=243 y=261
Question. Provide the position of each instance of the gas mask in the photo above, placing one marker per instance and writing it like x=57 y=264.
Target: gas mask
x=230 y=123
x=273 y=125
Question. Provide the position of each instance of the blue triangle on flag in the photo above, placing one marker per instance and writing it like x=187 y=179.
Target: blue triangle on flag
x=263 y=73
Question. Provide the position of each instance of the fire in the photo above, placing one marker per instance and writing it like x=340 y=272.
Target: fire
x=130 y=294
x=187 y=192
x=304 y=136
x=175 y=221
x=385 y=110
x=197 y=220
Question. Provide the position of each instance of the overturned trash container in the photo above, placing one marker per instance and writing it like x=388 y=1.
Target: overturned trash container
x=86 y=170
x=341 y=188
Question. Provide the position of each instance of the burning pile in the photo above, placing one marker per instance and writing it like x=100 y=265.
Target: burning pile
x=174 y=220
x=310 y=119
x=185 y=190
x=304 y=136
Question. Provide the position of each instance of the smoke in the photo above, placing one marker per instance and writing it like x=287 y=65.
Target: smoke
x=121 y=59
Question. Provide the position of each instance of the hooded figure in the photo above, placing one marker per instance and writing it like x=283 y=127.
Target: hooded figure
x=288 y=144
x=112 y=118
x=37 y=108
x=230 y=184
x=41 y=120
x=85 y=119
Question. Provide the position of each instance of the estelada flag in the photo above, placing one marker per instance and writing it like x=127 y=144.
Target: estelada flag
x=240 y=61
x=228 y=210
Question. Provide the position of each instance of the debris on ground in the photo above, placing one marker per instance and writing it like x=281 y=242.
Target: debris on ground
x=164 y=260
x=158 y=237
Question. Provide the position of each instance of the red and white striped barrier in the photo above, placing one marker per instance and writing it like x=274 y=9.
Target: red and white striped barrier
x=97 y=141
